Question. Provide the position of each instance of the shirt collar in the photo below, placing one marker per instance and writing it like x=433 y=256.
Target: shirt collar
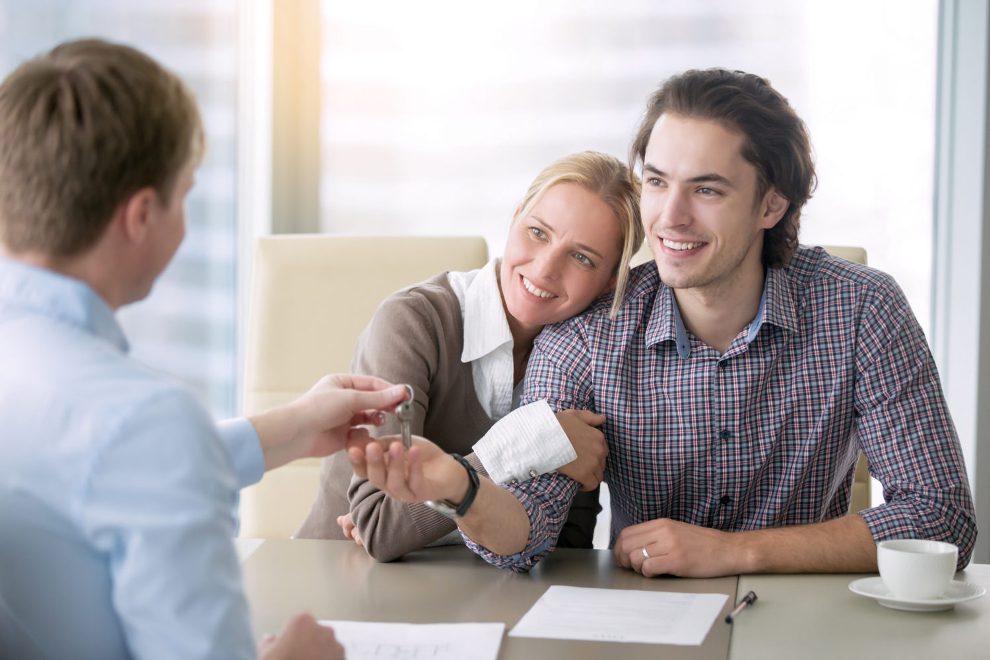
x=776 y=307
x=58 y=297
x=485 y=326
x=779 y=295
x=664 y=318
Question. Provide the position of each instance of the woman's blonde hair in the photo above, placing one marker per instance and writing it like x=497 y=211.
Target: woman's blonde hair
x=609 y=178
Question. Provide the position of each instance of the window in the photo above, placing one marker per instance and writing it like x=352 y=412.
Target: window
x=186 y=327
x=436 y=117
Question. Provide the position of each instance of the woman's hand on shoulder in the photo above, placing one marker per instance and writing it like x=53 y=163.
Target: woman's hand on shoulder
x=588 y=441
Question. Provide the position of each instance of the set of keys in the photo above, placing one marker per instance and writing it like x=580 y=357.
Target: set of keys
x=404 y=413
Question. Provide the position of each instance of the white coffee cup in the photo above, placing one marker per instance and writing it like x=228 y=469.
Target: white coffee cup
x=916 y=569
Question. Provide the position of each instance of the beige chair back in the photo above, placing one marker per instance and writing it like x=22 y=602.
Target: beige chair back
x=310 y=297
x=861 y=495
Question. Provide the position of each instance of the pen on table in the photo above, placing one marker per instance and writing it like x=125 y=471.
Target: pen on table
x=746 y=601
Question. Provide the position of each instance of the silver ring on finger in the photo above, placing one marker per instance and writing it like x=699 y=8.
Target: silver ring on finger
x=646 y=555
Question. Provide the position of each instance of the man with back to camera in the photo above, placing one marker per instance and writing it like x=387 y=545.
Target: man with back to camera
x=739 y=382
x=116 y=490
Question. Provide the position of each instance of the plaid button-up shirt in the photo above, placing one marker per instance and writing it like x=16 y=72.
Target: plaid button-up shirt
x=766 y=434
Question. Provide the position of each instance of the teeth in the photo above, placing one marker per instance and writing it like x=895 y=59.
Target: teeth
x=674 y=245
x=536 y=291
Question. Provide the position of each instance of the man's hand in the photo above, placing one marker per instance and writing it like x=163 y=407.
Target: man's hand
x=318 y=422
x=301 y=638
x=423 y=472
x=677 y=548
x=349 y=529
x=588 y=468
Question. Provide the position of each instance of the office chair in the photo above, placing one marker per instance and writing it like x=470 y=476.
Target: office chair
x=310 y=297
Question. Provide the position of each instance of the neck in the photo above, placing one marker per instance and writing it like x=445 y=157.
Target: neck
x=716 y=315
x=85 y=268
x=522 y=336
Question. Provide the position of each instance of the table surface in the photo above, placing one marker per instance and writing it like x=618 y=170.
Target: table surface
x=796 y=616
x=337 y=580
x=816 y=616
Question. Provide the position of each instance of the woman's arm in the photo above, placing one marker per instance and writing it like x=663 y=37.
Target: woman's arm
x=403 y=341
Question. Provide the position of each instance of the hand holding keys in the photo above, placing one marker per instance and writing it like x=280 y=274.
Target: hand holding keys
x=404 y=412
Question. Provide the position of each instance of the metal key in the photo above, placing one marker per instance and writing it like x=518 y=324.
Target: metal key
x=404 y=412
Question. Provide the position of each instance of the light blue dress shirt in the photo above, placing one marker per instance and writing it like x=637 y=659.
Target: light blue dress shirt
x=116 y=490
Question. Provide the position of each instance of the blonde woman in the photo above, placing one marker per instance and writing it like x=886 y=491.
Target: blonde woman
x=462 y=340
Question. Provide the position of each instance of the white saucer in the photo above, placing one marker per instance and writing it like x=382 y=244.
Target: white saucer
x=958 y=592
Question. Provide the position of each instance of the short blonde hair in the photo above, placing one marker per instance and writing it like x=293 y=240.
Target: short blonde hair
x=82 y=128
x=617 y=185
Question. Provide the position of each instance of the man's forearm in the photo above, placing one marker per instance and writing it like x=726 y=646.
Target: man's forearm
x=843 y=545
x=496 y=520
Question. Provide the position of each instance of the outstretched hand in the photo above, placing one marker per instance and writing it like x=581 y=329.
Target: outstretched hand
x=319 y=422
x=423 y=472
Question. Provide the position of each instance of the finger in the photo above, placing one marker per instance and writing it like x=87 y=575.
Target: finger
x=357 y=436
x=357 y=538
x=398 y=483
x=377 y=400
x=638 y=561
x=624 y=547
x=359 y=464
x=590 y=417
x=415 y=468
x=621 y=557
x=370 y=417
x=377 y=471
x=364 y=383
x=346 y=526
x=360 y=438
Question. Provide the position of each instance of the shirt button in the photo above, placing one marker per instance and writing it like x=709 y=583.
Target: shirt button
x=725 y=434
x=725 y=500
x=533 y=474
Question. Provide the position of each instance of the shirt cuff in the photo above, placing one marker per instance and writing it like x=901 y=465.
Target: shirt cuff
x=243 y=446
x=524 y=444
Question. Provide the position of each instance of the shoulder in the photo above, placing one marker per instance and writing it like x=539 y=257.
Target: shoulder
x=422 y=322
x=813 y=269
x=596 y=328
x=431 y=299
x=641 y=291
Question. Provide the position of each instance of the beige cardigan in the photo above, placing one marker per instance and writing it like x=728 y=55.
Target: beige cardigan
x=416 y=337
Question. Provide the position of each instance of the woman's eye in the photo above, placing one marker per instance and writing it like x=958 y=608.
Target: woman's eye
x=538 y=233
x=584 y=260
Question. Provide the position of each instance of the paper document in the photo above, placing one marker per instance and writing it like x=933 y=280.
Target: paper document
x=621 y=615
x=433 y=641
